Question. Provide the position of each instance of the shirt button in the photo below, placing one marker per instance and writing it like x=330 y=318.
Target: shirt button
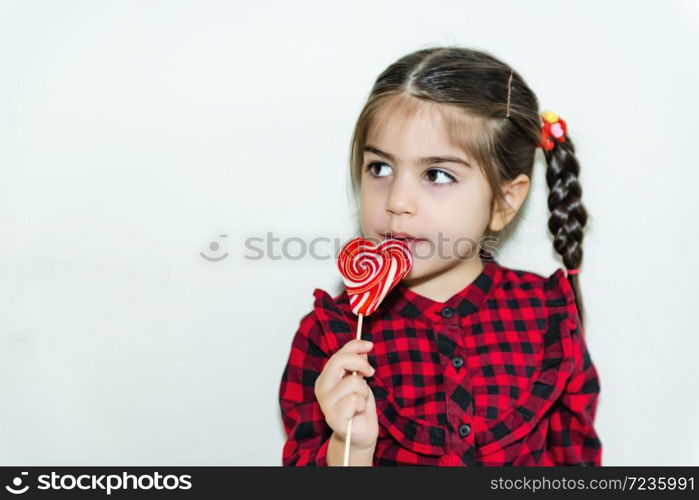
x=458 y=362
x=447 y=312
x=464 y=430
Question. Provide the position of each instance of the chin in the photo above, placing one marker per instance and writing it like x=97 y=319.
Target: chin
x=417 y=271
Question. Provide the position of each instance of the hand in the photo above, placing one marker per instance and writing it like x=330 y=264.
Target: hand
x=343 y=396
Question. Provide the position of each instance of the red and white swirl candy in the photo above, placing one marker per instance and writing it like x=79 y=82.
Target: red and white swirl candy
x=370 y=271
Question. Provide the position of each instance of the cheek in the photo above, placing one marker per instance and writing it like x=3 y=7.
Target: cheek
x=371 y=193
x=462 y=221
x=368 y=207
x=463 y=210
x=476 y=205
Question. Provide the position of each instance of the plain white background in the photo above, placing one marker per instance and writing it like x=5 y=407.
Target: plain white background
x=134 y=134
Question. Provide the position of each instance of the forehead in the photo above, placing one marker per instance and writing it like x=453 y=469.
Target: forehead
x=409 y=127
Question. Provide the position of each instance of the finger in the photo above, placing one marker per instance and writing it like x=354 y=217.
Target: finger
x=361 y=407
x=348 y=385
x=357 y=346
x=348 y=406
x=338 y=366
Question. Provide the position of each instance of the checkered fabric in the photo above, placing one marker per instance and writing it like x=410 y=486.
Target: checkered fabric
x=497 y=375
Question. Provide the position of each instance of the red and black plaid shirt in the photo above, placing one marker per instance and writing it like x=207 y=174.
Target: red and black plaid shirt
x=497 y=375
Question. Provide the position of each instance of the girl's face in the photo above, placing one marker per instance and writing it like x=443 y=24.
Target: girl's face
x=414 y=181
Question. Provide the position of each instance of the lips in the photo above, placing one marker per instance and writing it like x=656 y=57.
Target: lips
x=402 y=236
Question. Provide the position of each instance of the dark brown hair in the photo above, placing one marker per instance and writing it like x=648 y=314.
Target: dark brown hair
x=469 y=88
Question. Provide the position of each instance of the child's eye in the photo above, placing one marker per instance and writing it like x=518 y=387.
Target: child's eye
x=372 y=165
x=449 y=178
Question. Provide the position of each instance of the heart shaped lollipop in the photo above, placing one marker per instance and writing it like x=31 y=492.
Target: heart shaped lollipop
x=371 y=271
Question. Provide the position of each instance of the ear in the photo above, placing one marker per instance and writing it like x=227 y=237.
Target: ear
x=514 y=192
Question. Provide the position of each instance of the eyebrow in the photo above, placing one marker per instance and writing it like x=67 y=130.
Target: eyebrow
x=428 y=160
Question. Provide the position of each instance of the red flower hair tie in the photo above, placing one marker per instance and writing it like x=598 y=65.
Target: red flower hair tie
x=554 y=127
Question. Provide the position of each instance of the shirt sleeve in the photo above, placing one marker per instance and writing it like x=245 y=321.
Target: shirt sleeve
x=572 y=439
x=307 y=432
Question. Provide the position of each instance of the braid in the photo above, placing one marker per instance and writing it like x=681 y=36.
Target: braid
x=568 y=215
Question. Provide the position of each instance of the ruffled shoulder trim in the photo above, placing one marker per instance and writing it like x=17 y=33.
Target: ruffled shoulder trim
x=336 y=319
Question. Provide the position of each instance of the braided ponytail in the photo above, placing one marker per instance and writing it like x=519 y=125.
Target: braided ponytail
x=568 y=215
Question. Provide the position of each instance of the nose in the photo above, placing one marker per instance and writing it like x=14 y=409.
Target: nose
x=401 y=197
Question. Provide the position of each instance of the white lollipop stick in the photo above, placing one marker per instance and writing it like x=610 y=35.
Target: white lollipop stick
x=348 y=434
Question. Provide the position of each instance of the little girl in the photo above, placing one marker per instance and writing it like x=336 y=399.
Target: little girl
x=469 y=363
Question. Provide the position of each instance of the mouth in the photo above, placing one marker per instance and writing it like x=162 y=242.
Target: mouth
x=408 y=238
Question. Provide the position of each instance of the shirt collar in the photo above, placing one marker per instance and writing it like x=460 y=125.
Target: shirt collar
x=410 y=304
